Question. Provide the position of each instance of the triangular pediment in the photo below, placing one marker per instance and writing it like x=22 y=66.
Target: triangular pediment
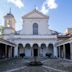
x=35 y=14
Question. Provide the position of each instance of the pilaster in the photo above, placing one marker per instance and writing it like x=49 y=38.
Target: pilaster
x=55 y=51
x=64 y=51
x=16 y=51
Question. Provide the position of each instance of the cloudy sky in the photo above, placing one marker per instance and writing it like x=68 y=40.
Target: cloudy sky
x=59 y=11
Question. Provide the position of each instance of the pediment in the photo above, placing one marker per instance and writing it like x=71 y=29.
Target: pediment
x=35 y=14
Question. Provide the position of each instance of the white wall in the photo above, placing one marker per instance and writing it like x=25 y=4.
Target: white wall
x=8 y=30
x=28 y=26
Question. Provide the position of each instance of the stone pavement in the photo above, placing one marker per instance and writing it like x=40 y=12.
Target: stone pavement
x=35 y=69
x=49 y=65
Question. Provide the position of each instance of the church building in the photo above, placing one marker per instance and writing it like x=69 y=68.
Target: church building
x=34 y=39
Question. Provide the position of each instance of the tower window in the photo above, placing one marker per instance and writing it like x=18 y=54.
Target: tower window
x=8 y=23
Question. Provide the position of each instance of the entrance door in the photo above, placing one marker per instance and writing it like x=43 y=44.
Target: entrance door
x=35 y=52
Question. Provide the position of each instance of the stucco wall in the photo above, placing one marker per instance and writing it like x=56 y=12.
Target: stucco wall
x=28 y=26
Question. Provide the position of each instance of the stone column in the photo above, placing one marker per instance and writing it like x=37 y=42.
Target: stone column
x=24 y=49
x=39 y=51
x=6 y=51
x=55 y=51
x=31 y=51
x=16 y=51
x=10 y=52
x=71 y=50
x=64 y=51
x=46 y=49
x=59 y=51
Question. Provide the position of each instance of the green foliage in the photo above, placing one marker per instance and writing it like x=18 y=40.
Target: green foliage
x=1 y=30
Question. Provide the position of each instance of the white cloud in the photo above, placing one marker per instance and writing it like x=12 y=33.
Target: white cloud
x=48 y=4
x=18 y=3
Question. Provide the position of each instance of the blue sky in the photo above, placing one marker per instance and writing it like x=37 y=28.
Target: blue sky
x=59 y=11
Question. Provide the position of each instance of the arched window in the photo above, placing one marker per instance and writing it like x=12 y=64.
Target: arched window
x=35 y=29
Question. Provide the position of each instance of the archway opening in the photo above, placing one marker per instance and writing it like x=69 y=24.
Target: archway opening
x=28 y=52
x=35 y=50
x=50 y=50
x=35 y=62
x=43 y=49
x=20 y=49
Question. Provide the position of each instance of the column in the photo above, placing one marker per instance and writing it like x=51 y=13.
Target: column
x=16 y=51
x=10 y=52
x=71 y=50
x=55 y=51
x=39 y=50
x=24 y=49
x=6 y=51
x=59 y=51
x=64 y=51
x=31 y=51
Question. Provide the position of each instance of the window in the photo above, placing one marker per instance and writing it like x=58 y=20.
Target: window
x=8 y=23
x=35 y=29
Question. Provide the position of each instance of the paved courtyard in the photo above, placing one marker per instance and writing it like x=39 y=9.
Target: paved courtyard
x=49 y=65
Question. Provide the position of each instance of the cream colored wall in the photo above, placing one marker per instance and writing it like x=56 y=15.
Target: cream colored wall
x=28 y=26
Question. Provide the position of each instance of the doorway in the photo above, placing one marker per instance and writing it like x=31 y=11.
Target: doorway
x=35 y=52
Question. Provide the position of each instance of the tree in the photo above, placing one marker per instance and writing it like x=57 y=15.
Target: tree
x=1 y=30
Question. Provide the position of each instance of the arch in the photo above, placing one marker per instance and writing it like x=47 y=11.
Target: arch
x=20 y=49
x=43 y=45
x=35 y=49
x=35 y=29
x=50 y=45
x=28 y=50
x=20 y=45
x=43 y=49
x=35 y=45
x=50 y=48
x=27 y=45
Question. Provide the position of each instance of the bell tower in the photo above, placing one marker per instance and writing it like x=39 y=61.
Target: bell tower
x=9 y=21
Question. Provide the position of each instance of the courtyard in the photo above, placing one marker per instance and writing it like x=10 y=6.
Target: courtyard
x=49 y=65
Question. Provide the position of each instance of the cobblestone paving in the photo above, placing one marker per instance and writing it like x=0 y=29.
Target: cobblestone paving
x=6 y=66
x=35 y=69
x=59 y=64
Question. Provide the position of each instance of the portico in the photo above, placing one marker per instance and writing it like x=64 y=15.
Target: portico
x=6 y=49
x=64 y=49
x=36 y=49
x=35 y=38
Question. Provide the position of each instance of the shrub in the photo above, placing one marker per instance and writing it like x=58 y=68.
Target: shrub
x=49 y=55
x=22 y=55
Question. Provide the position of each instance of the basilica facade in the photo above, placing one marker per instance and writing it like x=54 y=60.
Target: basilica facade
x=34 y=39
